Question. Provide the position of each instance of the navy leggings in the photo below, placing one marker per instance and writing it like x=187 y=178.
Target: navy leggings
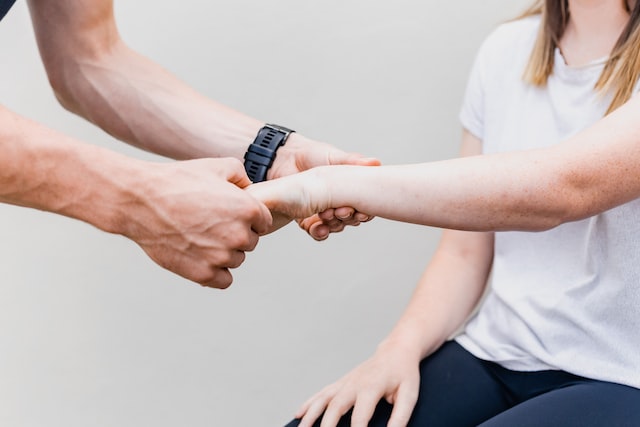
x=457 y=390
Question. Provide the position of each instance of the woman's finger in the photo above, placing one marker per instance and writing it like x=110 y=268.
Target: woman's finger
x=364 y=408
x=403 y=405
x=338 y=406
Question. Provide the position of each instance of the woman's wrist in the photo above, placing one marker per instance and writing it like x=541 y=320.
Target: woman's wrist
x=412 y=336
x=407 y=344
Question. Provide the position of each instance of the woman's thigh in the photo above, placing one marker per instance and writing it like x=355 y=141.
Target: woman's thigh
x=585 y=404
x=455 y=390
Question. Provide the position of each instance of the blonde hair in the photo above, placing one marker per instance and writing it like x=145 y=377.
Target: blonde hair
x=622 y=69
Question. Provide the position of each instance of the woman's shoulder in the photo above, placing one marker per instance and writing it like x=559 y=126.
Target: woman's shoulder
x=521 y=27
x=519 y=33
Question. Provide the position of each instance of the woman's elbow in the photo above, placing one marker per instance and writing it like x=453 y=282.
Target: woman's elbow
x=569 y=206
x=556 y=208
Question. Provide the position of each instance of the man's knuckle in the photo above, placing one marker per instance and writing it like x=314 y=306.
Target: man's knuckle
x=202 y=275
x=237 y=259
x=241 y=239
x=253 y=210
x=220 y=279
x=223 y=258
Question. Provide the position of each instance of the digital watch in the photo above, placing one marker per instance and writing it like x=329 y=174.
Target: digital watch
x=262 y=152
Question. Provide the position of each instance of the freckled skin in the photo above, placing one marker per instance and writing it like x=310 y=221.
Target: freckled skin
x=529 y=190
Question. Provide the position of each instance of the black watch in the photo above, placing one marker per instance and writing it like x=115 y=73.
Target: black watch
x=262 y=152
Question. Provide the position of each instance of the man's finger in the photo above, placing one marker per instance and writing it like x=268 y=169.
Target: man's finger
x=344 y=213
x=364 y=161
x=222 y=279
x=362 y=217
x=262 y=220
x=327 y=215
x=319 y=231
x=234 y=172
x=339 y=157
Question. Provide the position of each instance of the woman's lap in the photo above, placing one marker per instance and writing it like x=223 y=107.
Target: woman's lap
x=587 y=404
x=458 y=389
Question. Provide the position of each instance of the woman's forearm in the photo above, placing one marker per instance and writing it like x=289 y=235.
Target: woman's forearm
x=476 y=193
x=533 y=190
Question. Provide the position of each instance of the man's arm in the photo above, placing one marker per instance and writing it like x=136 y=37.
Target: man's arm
x=190 y=217
x=95 y=75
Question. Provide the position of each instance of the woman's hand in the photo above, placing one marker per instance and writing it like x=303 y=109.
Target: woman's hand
x=301 y=154
x=292 y=197
x=304 y=197
x=391 y=373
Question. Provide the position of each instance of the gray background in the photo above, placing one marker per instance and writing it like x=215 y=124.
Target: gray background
x=92 y=333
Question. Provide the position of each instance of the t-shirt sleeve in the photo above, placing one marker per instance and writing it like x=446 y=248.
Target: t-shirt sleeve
x=473 y=103
x=492 y=64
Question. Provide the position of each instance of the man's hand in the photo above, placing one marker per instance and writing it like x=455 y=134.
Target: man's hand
x=300 y=154
x=319 y=226
x=194 y=219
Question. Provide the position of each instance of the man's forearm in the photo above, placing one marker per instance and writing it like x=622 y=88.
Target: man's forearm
x=190 y=217
x=96 y=75
x=139 y=102
x=42 y=169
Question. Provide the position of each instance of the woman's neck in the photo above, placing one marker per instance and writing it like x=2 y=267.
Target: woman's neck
x=593 y=30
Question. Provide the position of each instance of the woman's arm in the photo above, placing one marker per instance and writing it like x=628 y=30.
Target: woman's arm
x=449 y=289
x=451 y=285
x=593 y=171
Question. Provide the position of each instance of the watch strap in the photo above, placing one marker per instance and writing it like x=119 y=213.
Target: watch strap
x=262 y=152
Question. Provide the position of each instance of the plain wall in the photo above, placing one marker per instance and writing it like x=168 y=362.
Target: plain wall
x=93 y=333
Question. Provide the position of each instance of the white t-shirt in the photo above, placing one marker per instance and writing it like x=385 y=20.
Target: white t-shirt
x=567 y=298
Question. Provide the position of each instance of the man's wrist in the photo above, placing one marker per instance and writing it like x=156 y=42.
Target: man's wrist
x=263 y=151
x=286 y=162
x=120 y=190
